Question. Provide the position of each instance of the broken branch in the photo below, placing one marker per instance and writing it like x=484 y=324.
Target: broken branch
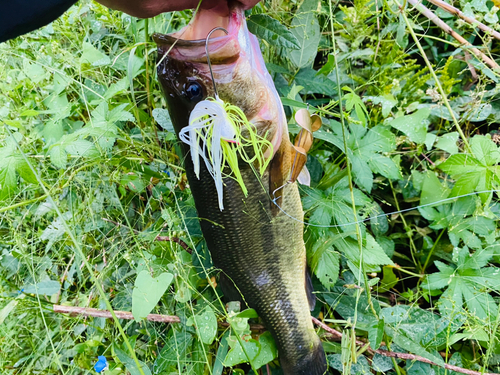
x=457 y=12
x=447 y=29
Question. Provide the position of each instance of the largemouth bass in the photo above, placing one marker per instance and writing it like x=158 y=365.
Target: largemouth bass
x=258 y=247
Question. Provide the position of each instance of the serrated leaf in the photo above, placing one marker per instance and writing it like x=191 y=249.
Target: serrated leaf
x=363 y=176
x=271 y=30
x=327 y=268
x=58 y=156
x=162 y=117
x=312 y=83
x=460 y=164
x=485 y=150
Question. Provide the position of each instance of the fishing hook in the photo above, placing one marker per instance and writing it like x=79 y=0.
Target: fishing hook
x=208 y=57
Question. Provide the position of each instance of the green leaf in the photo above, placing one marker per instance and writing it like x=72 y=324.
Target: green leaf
x=388 y=281
x=221 y=354
x=412 y=347
x=206 y=324
x=485 y=150
x=418 y=368
x=373 y=253
x=314 y=83
x=237 y=355
x=58 y=156
x=130 y=363
x=162 y=117
x=328 y=268
x=387 y=102
x=268 y=350
x=93 y=56
x=432 y=189
x=465 y=284
x=384 y=165
x=429 y=140
x=271 y=30
x=448 y=143
x=401 y=37
x=352 y=100
x=376 y=333
x=460 y=164
x=248 y=313
x=177 y=346
x=47 y=287
x=414 y=125
x=147 y=292
x=305 y=28
x=35 y=71
x=7 y=309
x=328 y=67
x=363 y=175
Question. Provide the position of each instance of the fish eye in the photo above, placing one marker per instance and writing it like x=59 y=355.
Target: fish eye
x=194 y=91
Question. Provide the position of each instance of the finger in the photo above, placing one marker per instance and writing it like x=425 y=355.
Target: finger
x=247 y=4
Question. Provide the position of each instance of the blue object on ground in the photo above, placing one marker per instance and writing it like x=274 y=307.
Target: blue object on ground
x=101 y=364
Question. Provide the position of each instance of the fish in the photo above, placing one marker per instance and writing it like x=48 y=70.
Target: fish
x=256 y=240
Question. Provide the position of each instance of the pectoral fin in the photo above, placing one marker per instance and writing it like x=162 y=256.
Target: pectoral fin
x=311 y=297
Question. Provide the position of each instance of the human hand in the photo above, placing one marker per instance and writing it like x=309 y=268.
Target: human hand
x=151 y=8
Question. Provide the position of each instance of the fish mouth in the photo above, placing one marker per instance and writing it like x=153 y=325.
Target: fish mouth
x=188 y=44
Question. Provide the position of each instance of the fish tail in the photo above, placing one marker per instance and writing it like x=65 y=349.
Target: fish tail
x=314 y=363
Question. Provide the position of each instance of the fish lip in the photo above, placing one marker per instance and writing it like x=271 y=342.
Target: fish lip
x=223 y=49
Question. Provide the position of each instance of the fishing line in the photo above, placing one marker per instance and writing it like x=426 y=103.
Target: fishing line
x=274 y=200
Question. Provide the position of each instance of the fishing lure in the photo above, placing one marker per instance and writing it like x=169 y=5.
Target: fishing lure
x=221 y=134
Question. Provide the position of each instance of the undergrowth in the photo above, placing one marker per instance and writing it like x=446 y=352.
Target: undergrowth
x=402 y=212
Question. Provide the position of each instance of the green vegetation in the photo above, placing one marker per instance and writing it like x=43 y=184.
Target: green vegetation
x=402 y=236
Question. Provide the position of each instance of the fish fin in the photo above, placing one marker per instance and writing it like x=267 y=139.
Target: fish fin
x=304 y=177
x=311 y=297
x=312 y=364
x=276 y=180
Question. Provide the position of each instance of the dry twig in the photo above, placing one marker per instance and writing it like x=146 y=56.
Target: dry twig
x=457 y=12
x=447 y=29
x=176 y=240
x=96 y=313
